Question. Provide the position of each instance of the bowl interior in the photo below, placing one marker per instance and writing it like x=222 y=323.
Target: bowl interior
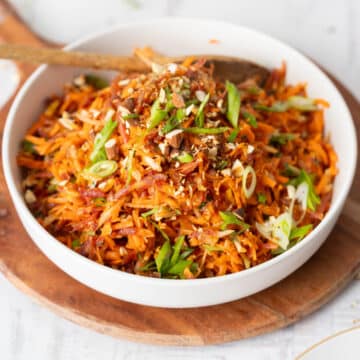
x=180 y=37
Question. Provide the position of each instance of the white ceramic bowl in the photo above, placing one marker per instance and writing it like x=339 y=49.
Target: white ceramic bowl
x=176 y=36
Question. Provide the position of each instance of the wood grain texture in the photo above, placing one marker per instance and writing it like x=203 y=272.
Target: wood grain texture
x=314 y=284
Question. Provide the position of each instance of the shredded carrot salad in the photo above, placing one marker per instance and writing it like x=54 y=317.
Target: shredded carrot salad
x=174 y=174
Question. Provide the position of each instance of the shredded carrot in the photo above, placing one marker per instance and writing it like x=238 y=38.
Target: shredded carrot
x=120 y=172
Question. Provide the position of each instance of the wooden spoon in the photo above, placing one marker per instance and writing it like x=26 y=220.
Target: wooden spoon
x=237 y=70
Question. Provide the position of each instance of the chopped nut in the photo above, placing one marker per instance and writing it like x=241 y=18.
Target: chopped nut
x=189 y=109
x=250 y=149
x=178 y=100
x=123 y=82
x=164 y=148
x=172 y=68
x=122 y=251
x=226 y=172
x=111 y=149
x=200 y=95
x=162 y=96
x=237 y=168
x=152 y=163
x=67 y=123
x=29 y=196
x=175 y=138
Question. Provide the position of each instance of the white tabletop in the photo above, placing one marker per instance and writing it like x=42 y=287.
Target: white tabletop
x=326 y=30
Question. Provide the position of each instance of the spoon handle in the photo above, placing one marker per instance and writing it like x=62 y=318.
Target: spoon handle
x=71 y=58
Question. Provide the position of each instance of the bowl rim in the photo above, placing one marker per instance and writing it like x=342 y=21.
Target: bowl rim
x=24 y=212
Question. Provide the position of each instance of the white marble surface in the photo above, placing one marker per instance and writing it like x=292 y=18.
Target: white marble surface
x=326 y=30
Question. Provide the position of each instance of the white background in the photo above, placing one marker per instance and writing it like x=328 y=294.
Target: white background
x=326 y=30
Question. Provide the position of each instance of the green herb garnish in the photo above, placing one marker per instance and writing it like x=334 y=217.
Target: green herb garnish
x=233 y=103
x=199 y=119
x=313 y=199
x=281 y=138
x=75 y=243
x=206 y=131
x=163 y=257
x=229 y=218
x=261 y=198
x=251 y=119
x=185 y=158
x=28 y=147
x=150 y=212
x=156 y=115
x=233 y=135
x=101 y=138
x=300 y=232
x=96 y=82
x=276 y=107
x=291 y=170
x=102 y=168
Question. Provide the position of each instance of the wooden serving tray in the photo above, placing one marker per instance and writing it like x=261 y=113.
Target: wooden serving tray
x=303 y=292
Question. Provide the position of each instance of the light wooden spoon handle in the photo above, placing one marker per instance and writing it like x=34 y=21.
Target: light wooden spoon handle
x=71 y=58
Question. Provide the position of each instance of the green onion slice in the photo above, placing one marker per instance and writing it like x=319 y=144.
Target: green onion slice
x=229 y=218
x=156 y=115
x=199 y=119
x=233 y=103
x=185 y=158
x=300 y=232
x=102 y=168
x=101 y=138
x=248 y=190
x=206 y=131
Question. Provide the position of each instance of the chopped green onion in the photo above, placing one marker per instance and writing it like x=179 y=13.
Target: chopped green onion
x=221 y=165
x=177 y=248
x=101 y=138
x=261 y=198
x=212 y=248
x=102 y=168
x=277 y=229
x=281 y=138
x=156 y=115
x=162 y=258
x=199 y=119
x=179 y=267
x=300 y=232
x=302 y=103
x=293 y=102
x=148 y=267
x=233 y=103
x=186 y=253
x=229 y=218
x=312 y=199
x=76 y=243
x=291 y=170
x=233 y=135
x=251 y=118
x=209 y=131
x=99 y=201
x=161 y=231
x=130 y=116
x=248 y=191
x=174 y=121
x=28 y=147
x=150 y=212
x=276 y=107
x=96 y=81
x=185 y=158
